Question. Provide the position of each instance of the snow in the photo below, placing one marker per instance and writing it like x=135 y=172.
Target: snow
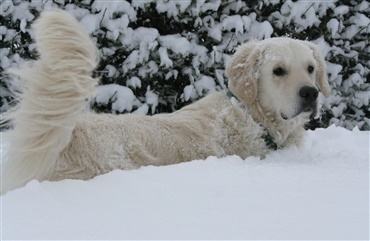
x=122 y=98
x=362 y=6
x=76 y=11
x=189 y=92
x=172 y=7
x=360 y=20
x=22 y=12
x=133 y=38
x=150 y=69
x=134 y=82
x=341 y=10
x=318 y=192
x=165 y=60
x=209 y=6
x=5 y=62
x=110 y=70
x=333 y=71
x=151 y=99
x=333 y=26
x=7 y=8
x=233 y=22
x=337 y=111
x=90 y=23
x=205 y=84
x=303 y=14
x=259 y=30
x=350 y=32
x=175 y=43
x=23 y=25
x=112 y=7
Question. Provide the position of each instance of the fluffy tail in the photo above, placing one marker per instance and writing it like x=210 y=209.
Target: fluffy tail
x=55 y=92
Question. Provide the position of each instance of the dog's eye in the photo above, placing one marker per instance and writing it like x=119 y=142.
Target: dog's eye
x=279 y=71
x=310 y=69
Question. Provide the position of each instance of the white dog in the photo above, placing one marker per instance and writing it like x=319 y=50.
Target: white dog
x=274 y=85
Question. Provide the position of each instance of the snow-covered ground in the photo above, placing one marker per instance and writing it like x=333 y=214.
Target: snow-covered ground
x=318 y=192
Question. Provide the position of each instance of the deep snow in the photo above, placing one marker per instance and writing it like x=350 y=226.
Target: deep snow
x=318 y=192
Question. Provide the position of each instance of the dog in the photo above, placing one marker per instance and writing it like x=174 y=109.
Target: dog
x=273 y=91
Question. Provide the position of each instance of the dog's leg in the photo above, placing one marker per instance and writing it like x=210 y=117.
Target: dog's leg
x=55 y=92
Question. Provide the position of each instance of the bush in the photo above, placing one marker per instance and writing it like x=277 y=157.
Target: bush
x=157 y=56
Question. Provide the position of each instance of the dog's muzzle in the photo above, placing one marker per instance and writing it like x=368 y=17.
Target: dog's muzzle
x=308 y=98
x=307 y=102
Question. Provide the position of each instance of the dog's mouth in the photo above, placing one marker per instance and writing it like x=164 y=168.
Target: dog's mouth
x=311 y=109
x=307 y=110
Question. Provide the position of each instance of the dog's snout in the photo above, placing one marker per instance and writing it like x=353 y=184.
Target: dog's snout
x=308 y=94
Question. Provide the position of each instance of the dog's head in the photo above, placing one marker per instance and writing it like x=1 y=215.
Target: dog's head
x=281 y=74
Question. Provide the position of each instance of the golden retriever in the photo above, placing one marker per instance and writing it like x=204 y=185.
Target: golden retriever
x=274 y=86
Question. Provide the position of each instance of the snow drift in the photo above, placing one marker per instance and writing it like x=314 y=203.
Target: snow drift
x=318 y=192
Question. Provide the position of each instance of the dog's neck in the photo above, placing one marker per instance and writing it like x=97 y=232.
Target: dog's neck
x=278 y=132
x=267 y=137
x=282 y=131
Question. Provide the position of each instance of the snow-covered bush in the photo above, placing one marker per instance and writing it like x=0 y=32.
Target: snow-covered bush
x=157 y=56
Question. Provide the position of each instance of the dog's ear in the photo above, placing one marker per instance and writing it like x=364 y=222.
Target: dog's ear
x=243 y=72
x=321 y=76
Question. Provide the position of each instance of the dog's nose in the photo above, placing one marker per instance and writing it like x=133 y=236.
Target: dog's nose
x=308 y=94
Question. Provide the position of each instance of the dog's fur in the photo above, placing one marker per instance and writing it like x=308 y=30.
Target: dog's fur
x=55 y=138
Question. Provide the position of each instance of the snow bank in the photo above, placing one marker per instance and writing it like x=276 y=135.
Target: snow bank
x=319 y=192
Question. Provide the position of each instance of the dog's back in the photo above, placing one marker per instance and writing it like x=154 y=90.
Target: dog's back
x=56 y=88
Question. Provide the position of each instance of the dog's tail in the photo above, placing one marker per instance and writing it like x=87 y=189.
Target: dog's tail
x=56 y=89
